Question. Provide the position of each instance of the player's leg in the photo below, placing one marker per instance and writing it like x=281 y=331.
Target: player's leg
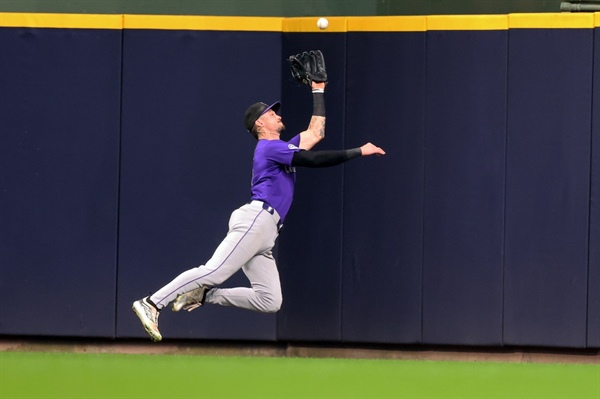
x=223 y=264
x=265 y=294
x=251 y=231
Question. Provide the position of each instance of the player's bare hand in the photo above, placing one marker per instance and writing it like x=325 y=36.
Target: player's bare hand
x=371 y=149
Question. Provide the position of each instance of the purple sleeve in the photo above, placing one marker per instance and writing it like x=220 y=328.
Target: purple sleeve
x=282 y=152
x=295 y=140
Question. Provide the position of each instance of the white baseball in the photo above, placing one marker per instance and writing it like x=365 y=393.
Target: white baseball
x=322 y=23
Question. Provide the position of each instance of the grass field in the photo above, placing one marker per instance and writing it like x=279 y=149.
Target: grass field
x=77 y=375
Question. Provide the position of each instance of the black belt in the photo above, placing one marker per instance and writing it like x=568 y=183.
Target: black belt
x=271 y=210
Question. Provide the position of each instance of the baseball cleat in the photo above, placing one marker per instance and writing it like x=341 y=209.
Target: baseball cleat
x=148 y=315
x=190 y=300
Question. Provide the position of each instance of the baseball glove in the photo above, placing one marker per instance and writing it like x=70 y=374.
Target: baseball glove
x=308 y=67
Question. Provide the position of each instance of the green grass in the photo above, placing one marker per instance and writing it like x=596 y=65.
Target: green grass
x=68 y=375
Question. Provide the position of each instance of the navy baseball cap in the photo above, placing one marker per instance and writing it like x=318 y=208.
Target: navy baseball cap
x=256 y=110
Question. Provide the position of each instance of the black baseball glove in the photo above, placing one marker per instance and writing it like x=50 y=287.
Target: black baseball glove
x=308 y=67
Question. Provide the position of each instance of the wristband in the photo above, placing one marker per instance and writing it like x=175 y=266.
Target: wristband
x=318 y=103
x=318 y=90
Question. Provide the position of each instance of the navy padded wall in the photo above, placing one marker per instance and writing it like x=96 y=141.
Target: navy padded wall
x=309 y=247
x=186 y=165
x=547 y=195
x=593 y=332
x=383 y=196
x=464 y=187
x=59 y=112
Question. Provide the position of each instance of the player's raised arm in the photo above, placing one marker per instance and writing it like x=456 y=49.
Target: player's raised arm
x=309 y=68
x=316 y=127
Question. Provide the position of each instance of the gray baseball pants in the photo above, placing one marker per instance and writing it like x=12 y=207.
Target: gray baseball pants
x=253 y=229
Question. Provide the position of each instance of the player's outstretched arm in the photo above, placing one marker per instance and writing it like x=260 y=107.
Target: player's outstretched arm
x=371 y=149
x=316 y=128
x=323 y=159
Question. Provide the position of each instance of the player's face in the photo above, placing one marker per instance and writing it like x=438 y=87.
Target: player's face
x=272 y=122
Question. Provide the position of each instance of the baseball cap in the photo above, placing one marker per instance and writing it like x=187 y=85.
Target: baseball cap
x=256 y=110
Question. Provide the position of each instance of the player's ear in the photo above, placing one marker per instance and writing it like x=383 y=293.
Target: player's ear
x=256 y=129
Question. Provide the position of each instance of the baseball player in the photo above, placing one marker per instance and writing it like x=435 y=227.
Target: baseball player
x=254 y=227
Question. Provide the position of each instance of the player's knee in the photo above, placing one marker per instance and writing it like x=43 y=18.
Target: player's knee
x=270 y=302
x=276 y=304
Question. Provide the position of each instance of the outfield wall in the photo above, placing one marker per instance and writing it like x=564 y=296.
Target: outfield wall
x=123 y=153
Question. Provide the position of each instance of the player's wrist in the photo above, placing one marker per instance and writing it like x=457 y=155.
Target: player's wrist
x=318 y=103
x=317 y=86
x=354 y=152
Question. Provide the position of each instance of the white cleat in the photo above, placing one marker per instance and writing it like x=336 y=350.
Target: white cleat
x=190 y=300
x=149 y=317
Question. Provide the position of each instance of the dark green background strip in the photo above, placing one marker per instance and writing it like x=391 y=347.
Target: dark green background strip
x=283 y=8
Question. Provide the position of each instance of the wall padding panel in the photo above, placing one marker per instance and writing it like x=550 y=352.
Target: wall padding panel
x=309 y=253
x=548 y=180
x=464 y=187
x=59 y=163
x=593 y=332
x=383 y=196
x=186 y=165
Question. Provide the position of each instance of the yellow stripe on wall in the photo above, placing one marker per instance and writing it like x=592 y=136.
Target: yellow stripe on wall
x=172 y=22
x=309 y=24
x=551 y=20
x=74 y=21
x=467 y=22
x=387 y=24
x=304 y=24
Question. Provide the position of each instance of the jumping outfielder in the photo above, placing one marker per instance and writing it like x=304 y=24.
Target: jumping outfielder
x=254 y=227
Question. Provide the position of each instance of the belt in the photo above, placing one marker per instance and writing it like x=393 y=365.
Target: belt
x=272 y=211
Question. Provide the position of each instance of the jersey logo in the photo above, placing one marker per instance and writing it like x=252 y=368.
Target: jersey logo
x=292 y=147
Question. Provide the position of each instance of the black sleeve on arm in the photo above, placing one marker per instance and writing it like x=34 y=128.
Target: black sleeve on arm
x=318 y=104
x=323 y=159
